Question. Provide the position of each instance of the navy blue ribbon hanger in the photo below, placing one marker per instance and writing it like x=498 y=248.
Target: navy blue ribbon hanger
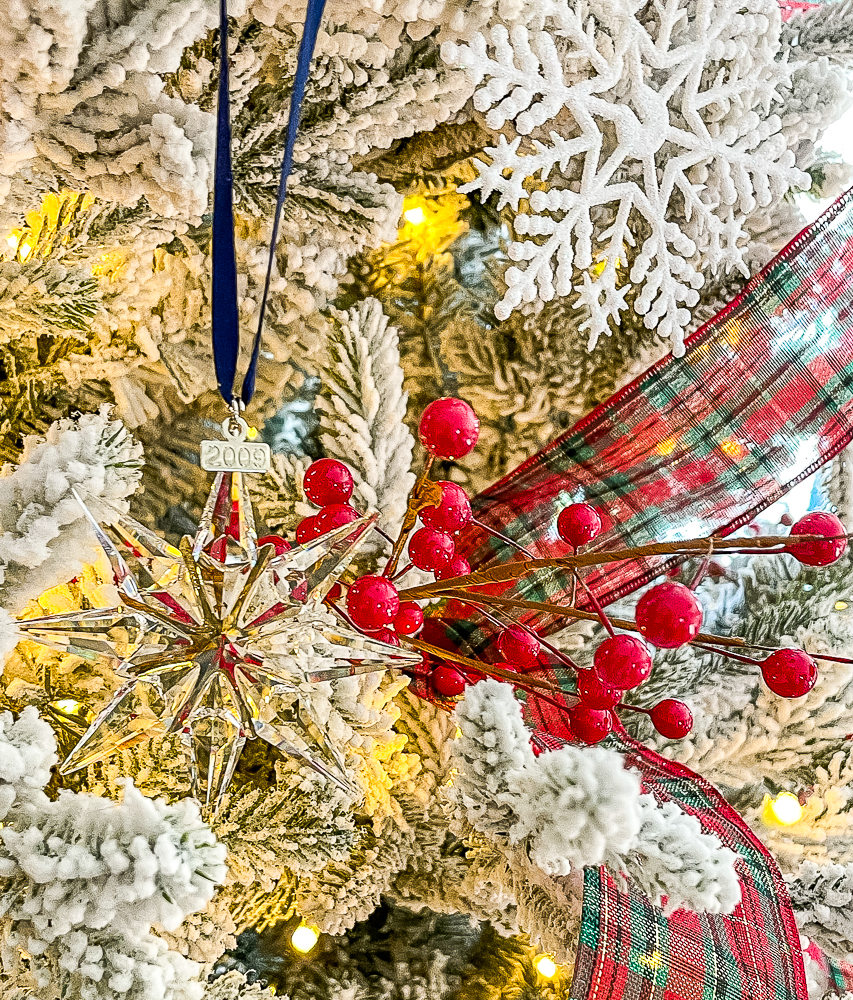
x=225 y=321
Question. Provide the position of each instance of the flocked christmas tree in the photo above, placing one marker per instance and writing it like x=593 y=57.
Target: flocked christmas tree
x=521 y=204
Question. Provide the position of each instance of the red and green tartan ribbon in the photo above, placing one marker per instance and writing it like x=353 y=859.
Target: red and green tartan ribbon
x=839 y=975
x=629 y=949
x=762 y=397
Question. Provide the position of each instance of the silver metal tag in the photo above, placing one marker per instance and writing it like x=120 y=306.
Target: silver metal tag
x=236 y=453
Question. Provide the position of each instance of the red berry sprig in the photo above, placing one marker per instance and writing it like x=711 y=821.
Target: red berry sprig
x=372 y=603
x=452 y=514
x=669 y=615
x=328 y=481
x=449 y=429
x=790 y=673
x=409 y=619
x=623 y=662
x=447 y=681
x=578 y=524
x=430 y=550
x=589 y=725
x=594 y=693
x=672 y=719
x=518 y=646
x=818 y=553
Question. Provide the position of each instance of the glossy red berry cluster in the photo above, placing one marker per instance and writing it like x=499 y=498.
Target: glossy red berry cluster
x=668 y=615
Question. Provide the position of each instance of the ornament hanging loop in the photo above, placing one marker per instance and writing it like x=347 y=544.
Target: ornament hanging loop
x=234 y=427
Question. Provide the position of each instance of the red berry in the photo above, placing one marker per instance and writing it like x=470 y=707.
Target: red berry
x=589 y=725
x=672 y=719
x=430 y=549
x=623 y=662
x=594 y=693
x=280 y=544
x=669 y=615
x=327 y=481
x=453 y=513
x=409 y=618
x=335 y=515
x=458 y=566
x=519 y=646
x=307 y=529
x=790 y=673
x=447 y=682
x=578 y=524
x=372 y=602
x=818 y=553
x=449 y=428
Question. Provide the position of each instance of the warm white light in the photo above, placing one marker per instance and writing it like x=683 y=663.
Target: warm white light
x=841 y=605
x=786 y=809
x=415 y=215
x=304 y=938
x=546 y=966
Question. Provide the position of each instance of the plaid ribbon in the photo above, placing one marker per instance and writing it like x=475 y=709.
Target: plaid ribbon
x=629 y=949
x=839 y=975
x=762 y=397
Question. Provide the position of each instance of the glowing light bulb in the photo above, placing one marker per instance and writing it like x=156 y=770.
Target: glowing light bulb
x=304 y=938
x=546 y=967
x=68 y=705
x=786 y=809
x=415 y=215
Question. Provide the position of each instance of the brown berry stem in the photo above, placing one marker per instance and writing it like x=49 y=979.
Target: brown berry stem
x=384 y=534
x=503 y=623
x=424 y=494
x=633 y=708
x=507 y=572
x=484 y=668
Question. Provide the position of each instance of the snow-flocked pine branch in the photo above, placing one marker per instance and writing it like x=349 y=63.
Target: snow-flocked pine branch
x=822 y=898
x=362 y=409
x=579 y=806
x=44 y=538
x=82 y=879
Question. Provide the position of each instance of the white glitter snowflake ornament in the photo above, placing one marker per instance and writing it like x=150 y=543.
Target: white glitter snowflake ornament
x=219 y=640
x=636 y=139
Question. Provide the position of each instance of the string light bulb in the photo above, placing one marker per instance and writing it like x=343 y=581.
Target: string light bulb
x=786 y=809
x=546 y=966
x=304 y=938
x=415 y=216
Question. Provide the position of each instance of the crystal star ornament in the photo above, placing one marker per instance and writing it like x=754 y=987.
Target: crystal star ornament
x=219 y=640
